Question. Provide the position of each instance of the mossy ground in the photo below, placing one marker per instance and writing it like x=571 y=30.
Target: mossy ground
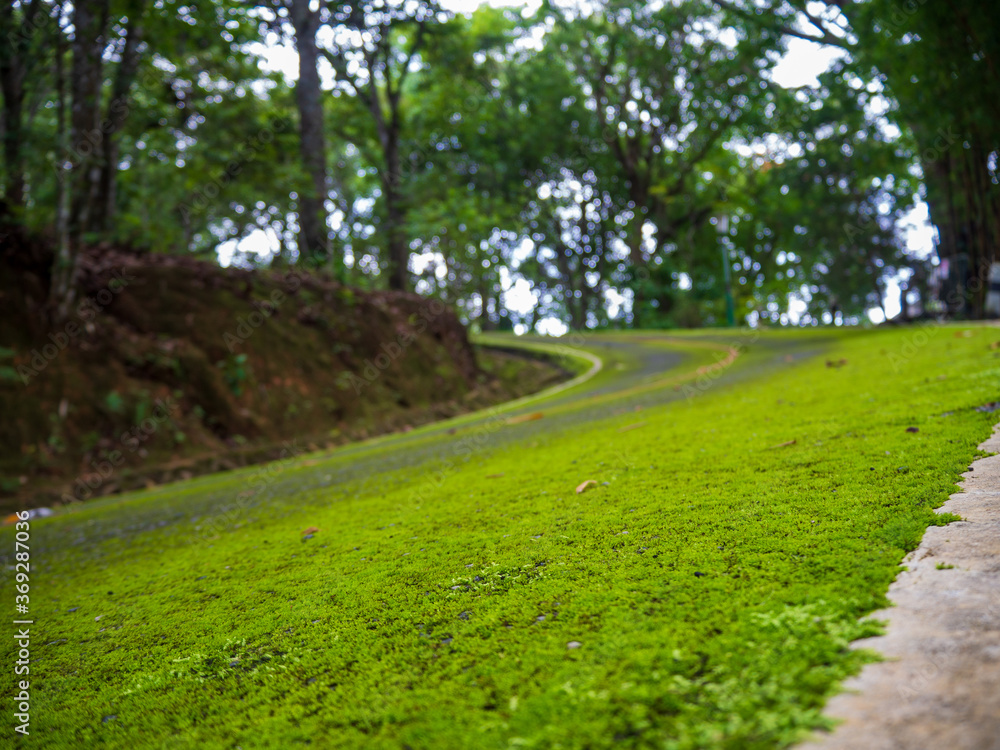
x=708 y=585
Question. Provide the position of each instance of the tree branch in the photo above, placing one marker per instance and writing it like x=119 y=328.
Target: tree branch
x=825 y=38
x=414 y=51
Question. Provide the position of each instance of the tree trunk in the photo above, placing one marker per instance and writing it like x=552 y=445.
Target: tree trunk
x=399 y=254
x=639 y=276
x=89 y=21
x=484 y=314
x=62 y=291
x=13 y=98
x=314 y=241
x=15 y=59
x=118 y=110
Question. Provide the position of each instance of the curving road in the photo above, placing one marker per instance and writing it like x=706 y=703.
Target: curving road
x=622 y=372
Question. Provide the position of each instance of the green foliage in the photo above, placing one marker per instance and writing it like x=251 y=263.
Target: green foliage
x=236 y=371
x=9 y=484
x=114 y=402
x=143 y=407
x=7 y=373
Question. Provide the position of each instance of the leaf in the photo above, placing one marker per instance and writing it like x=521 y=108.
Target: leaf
x=783 y=445
x=525 y=418
x=586 y=486
x=310 y=530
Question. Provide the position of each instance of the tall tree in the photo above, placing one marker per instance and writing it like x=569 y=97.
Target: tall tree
x=25 y=28
x=939 y=61
x=376 y=46
x=90 y=23
x=314 y=241
x=104 y=184
x=87 y=47
x=667 y=86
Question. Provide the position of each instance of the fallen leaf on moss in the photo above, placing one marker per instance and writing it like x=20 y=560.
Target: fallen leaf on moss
x=525 y=418
x=784 y=445
x=586 y=486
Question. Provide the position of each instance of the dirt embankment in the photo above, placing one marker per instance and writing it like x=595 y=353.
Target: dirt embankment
x=170 y=367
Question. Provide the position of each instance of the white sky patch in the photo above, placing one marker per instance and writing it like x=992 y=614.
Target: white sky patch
x=258 y=242
x=278 y=58
x=803 y=63
x=518 y=297
x=796 y=308
x=523 y=251
x=468 y=6
x=551 y=327
x=420 y=262
x=614 y=302
x=918 y=231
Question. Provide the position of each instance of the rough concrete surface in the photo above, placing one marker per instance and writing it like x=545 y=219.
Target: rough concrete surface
x=939 y=688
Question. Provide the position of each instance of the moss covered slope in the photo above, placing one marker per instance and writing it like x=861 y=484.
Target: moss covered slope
x=702 y=594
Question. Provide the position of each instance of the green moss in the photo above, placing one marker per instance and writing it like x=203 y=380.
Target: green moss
x=459 y=593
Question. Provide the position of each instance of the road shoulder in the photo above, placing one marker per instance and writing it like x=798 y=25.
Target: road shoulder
x=938 y=685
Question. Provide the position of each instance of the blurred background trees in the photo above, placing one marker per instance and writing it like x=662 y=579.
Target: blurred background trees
x=565 y=165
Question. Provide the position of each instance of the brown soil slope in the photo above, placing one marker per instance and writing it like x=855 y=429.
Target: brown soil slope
x=171 y=367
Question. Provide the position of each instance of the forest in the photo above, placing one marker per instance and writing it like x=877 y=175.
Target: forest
x=604 y=164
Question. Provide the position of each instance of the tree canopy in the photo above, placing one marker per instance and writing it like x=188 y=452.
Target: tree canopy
x=603 y=164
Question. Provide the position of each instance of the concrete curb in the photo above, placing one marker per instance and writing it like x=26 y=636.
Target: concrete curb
x=940 y=685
